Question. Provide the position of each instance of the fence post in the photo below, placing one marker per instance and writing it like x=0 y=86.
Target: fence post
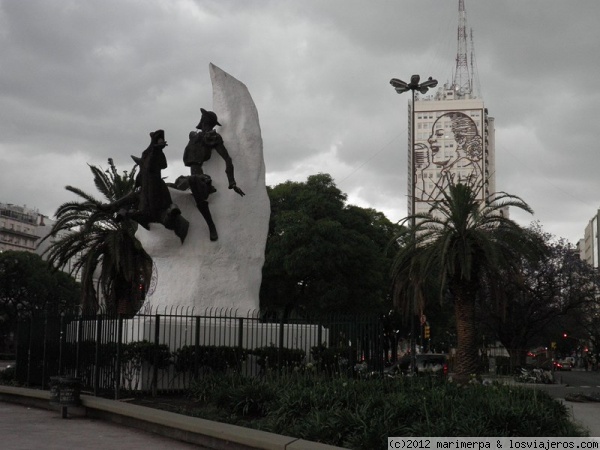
x=196 y=348
x=118 y=362
x=280 y=346
x=78 y=346
x=31 y=324
x=240 y=333
x=155 y=366
x=353 y=347
x=319 y=332
x=44 y=359
x=97 y=355
x=60 y=342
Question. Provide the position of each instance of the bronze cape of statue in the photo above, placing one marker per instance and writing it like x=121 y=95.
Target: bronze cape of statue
x=198 y=150
x=151 y=200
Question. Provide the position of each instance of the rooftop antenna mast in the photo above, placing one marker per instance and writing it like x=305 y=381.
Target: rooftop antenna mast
x=475 y=85
x=462 y=83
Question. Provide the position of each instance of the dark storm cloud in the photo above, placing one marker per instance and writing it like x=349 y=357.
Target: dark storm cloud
x=82 y=81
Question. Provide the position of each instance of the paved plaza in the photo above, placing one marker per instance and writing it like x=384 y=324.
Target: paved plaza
x=26 y=428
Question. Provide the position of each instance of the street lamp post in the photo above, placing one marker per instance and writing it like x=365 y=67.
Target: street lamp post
x=402 y=87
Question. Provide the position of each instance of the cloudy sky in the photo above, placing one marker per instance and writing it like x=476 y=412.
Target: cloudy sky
x=82 y=81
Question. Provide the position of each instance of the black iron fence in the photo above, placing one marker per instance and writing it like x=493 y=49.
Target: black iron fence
x=165 y=350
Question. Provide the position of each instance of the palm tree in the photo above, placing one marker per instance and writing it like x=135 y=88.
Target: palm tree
x=459 y=244
x=90 y=240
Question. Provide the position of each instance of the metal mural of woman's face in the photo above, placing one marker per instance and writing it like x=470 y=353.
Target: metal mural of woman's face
x=454 y=150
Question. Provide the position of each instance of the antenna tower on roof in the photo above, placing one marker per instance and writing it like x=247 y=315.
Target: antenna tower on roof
x=462 y=82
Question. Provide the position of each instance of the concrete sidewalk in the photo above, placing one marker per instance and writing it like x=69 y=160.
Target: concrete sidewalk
x=148 y=427
x=586 y=414
x=24 y=428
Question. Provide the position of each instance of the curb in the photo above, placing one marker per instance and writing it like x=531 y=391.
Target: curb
x=210 y=434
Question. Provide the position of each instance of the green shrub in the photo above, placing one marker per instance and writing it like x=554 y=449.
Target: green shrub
x=145 y=352
x=211 y=357
x=209 y=388
x=333 y=360
x=361 y=414
x=8 y=375
x=503 y=366
x=83 y=354
x=271 y=357
x=249 y=399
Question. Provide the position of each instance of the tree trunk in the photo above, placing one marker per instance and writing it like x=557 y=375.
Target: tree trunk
x=518 y=356
x=467 y=358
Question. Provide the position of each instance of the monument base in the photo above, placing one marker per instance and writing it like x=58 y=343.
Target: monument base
x=238 y=333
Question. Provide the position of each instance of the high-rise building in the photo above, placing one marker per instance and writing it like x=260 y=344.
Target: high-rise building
x=453 y=134
x=19 y=228
x=23 y=229
x=589 y=246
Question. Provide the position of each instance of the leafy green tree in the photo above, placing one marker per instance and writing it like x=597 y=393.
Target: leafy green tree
x=322 y=255
x=27 y=285
x=550 y=295
x=461 y=243
x=590 y=323
x=103 y=250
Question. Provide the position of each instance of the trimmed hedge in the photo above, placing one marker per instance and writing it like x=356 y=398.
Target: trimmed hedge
x=211 y=357
x=270 y=358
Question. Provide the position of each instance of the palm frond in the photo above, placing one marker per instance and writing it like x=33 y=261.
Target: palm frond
x=88 y=240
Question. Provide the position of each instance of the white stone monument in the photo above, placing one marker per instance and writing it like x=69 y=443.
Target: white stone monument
x=201 y=274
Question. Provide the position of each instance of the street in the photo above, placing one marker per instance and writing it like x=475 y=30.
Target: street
x=570 y=382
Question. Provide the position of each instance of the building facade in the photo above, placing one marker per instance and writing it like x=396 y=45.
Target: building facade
x=453 y=141
x=589 y=248
x=20 y=228
x=451 y=136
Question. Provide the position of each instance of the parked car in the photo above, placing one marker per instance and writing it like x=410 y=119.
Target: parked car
x=435 y=364
x=562 y=365
x=568 y=361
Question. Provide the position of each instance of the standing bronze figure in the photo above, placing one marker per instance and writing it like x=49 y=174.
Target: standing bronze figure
x=198 y=150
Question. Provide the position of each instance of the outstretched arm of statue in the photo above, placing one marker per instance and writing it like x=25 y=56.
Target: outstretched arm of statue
x=221 y=150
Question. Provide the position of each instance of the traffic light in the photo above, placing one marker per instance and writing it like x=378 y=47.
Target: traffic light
x=565 y=335
x=427 y=332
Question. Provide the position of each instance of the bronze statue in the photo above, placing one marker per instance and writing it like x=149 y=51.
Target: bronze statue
x=151 y=199
x=198 y=150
